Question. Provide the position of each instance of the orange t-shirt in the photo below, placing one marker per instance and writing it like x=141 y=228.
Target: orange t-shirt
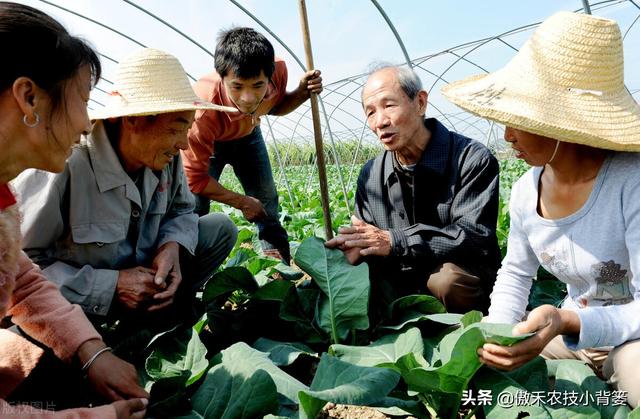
x=210 y=126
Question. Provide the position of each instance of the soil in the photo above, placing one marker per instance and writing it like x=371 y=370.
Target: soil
x=341 y=411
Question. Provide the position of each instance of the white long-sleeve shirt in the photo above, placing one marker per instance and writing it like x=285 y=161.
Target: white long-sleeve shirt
x=595 y=251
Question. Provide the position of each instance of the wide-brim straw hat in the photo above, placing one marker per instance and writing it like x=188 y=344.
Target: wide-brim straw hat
x=152 y=82
x=566 y=83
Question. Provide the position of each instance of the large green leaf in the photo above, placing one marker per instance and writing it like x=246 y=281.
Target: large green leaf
x=344 y=305
x=388 y=349
x=340 y=382
x=177 y=352
x=574 y=396
x=230 y=394
x=500 y=334
x=258 y=264
x=239 y=257
x=241 y=359
x=228 y=280
x=394 y=406
x=471 y=317
x=412 y=317
x=547 y=291
x=287 y=272
x=442 y=386
x=273 y=291
x=576 y=377
x=191 y=415
x=283 y=353
x=299 y=304
x=413 y=309
x=168 y=396
x=458 y=363
x=425 y=304
x=523 y=396
x=298 y=307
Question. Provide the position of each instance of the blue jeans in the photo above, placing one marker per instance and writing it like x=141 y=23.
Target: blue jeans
x=250 y=162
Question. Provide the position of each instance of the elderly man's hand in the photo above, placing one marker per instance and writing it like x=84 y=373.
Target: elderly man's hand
x=367 y=238
x=112 y=377
x=136 y=286
x=352 y=254
x=167 y=274
x=311 y=82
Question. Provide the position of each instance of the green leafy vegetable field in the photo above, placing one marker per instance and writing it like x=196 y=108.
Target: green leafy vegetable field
x=280 y=341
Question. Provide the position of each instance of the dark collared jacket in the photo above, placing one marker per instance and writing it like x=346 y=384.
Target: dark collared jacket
x=455 y=205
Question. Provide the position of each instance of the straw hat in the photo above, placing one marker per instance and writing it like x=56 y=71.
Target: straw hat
x=566 y=83
x=151 y=82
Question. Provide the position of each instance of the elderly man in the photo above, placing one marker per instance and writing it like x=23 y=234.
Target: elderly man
x=426 y=208
x=116 y=230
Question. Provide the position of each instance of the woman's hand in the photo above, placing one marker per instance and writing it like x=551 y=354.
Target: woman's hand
x=109 y=375
x=546 y=322
x=130 y=409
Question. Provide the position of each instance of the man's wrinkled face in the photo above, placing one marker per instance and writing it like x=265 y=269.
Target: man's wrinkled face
x=157 y=140
x=390 y=113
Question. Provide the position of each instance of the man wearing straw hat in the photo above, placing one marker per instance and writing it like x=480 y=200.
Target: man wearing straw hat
x=576 y=212
x=116 y=230
x=426 y=208
x=247 y=77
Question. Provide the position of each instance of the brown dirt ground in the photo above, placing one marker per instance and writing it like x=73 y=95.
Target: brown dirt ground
x=341 y=411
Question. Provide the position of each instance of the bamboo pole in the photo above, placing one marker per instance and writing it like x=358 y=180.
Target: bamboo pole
x=317 y=129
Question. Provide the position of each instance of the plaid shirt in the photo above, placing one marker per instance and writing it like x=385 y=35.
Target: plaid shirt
x=455 y=204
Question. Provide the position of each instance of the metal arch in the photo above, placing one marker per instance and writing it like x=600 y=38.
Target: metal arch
x=95 y=101
x=465 y=120
x=95 y=22
x=159 y=19
x=280 y=163
x=335 y=154
x=113 y=60
x=395 y=32
x=508 y=44
x=355 y=155
x=295 y=57
x=630 y=26
x=460 y=58
x=473 y=63
x=266 y=28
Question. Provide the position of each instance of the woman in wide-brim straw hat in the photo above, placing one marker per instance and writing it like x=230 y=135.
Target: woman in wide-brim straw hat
x=577 y=211
x=116 y=229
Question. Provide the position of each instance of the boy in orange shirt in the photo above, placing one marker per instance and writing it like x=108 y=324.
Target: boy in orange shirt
x=250 y=78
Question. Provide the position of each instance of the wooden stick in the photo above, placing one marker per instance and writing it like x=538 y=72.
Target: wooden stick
x=317 y=128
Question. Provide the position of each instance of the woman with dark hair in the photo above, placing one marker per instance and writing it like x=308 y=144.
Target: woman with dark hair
x=45 y=81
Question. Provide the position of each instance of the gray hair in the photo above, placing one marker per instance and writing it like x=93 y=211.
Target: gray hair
x=409 y=81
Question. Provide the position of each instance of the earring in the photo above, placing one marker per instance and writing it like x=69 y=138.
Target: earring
x=555 y=150
x=35 y=123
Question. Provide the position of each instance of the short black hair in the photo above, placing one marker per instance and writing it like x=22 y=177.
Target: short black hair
x=36 y=46
x=245 y=52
